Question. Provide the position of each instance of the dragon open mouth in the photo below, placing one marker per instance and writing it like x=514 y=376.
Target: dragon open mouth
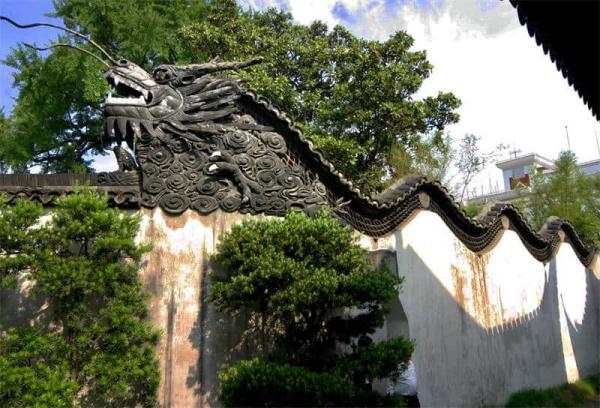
x=126 y=91
x=126 y=108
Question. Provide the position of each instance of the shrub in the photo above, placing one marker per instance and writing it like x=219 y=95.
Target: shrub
x=34 y=370
x=307 y=286
x=257 y=383
x=473 y=210
x=566 y=395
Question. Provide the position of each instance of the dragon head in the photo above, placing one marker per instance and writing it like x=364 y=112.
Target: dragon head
x=137 y=101
x=174 y=97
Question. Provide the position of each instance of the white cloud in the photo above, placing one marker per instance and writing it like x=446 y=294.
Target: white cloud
x=511 y=92
x=105 y=163
x=263 y=4
x=310 y=10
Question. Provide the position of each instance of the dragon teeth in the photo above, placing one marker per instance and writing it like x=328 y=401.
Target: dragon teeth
x=110 y=126
x=114 y=100
x=136 y=128
x=122 y=125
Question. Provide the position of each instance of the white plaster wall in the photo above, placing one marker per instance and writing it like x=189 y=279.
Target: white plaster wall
x=487 y=326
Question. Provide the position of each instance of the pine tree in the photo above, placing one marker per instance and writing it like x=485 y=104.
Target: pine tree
x=91 y=345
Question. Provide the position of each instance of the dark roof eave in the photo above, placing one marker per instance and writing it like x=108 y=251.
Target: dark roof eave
x=569 y=32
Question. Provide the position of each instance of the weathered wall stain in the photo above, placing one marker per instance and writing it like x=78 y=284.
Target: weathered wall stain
x=470 y=285
x=168 y=374
x=459 y=283
x=174 y=271
x=19 y=309
x=481 y=296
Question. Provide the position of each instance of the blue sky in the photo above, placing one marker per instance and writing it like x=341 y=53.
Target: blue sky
x=22 y=11
x=511 y=92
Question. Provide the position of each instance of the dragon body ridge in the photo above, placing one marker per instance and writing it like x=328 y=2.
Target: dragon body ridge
x=199 y=147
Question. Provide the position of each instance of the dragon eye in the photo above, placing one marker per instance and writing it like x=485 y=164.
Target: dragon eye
x=162 y=75
x=123 y=62
x=186 y=80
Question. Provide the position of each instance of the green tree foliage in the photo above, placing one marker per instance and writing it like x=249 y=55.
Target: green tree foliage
x=91 y=345
x=253 y=383
x=473 y=210
x=298 y=279
x=569 y=194
x=351 y=96
x=4 y=127
x=55 y=121
x=34 y=370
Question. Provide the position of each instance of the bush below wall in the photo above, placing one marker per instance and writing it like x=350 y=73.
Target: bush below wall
x=313 y=300
x=566 y=395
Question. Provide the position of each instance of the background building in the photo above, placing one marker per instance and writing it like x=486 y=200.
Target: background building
x=517 y=174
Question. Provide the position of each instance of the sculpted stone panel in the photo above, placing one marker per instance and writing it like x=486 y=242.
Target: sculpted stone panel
x=235 y=170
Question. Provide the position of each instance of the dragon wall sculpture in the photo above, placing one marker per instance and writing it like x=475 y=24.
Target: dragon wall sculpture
x=198 y=148
x=204 y=142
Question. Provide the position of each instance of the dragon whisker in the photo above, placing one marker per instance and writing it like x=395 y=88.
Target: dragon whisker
x=57 y=45
x=68 y=30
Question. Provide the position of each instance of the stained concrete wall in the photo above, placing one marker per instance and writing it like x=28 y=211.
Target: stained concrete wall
x=17 y=308
x=488 y=325
x=196 y=339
